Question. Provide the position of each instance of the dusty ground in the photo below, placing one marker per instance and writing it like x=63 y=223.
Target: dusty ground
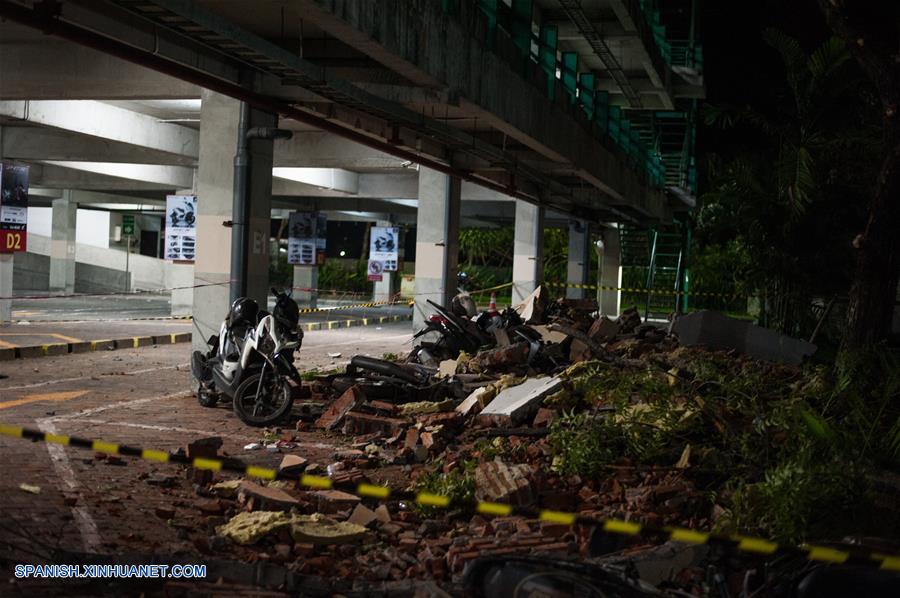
x=138 y=397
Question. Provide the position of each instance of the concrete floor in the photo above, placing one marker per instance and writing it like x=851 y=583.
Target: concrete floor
x=140 y=397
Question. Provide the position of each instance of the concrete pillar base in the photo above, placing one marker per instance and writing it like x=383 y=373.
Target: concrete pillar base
x=610 y=273
x=528 y=252
x=578 y=259
x=180 y=277
x=6 y=288
x=306 y=284
x=62 y=244
x=437 y=242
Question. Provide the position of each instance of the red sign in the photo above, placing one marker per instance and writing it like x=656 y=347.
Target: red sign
x=12 y=241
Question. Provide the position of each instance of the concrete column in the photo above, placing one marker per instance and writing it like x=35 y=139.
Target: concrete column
x=578 y=259
x=305 y=278
x=384 y=289
x=437 y=241
x=6 y=287
x=62 y=244
x=610 y=272
x=215 y=187
x=528 y=250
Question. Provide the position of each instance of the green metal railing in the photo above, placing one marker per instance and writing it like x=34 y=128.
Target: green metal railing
x=650 y=149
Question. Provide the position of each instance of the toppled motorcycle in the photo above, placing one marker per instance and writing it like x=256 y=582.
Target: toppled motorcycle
x=251 y=361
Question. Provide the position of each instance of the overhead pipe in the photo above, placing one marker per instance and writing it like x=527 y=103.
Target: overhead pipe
x=90 y=39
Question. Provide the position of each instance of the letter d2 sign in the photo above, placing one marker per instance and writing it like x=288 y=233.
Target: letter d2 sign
x=12 y=241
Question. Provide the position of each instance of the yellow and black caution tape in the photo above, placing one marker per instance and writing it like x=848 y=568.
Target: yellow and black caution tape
x=595 y=287
x=311 y=310
x=746 y=544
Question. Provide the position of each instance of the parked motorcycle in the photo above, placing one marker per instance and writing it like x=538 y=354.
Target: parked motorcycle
x=251 y=361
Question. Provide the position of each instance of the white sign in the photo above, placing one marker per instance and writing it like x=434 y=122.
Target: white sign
x=384 y=246
x=302 y=238
x=181 y=227
x=376 y=268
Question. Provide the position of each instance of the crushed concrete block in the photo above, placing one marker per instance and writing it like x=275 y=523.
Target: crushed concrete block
x=544 y=418
x=718 y=331
x=532 y=308
x=334 y=415
x=603 y=329
x=226 y=489
x=332 y=501
x=500 y=358
x=362 y=515
x=265 y=498
x=473 y=400
x=382 y=514
x=516 y=404
x=446 y=369
x=292 y=464
x=249 y=528
x=550 y=336
x=496 y=481
x=365 y=423
x=318 y=529
x=579 y=351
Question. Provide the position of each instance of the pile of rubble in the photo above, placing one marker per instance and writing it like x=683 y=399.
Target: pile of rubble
x=490 y=425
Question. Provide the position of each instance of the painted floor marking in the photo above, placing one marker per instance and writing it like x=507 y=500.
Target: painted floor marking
x=67 y=395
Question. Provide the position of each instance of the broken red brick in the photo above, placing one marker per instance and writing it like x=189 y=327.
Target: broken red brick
x=544 y=417
x=496 y=481
x=365 y=423
x=334 y=415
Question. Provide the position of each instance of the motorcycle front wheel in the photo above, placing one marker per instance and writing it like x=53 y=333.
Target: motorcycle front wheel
x=262 y=401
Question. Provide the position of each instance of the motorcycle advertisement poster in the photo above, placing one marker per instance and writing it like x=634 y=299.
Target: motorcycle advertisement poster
x=384 y=246
x=306 y=238
x=181 y=227
x=13 y=207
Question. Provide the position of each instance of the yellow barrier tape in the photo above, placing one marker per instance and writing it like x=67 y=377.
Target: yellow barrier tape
x=557 y=517
x=617 y=526
x=314 y=481
x=154 y=455
x=263 y=473
x=365 y=490
x=105 y=447
x=14 y=431
x=373 y=491
x=58 y=439
x=427 y=499
x=688 y=536
x=756 y=545
x=494 y=508
x=210 y=464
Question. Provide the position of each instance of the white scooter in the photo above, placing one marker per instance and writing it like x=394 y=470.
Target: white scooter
x=251 y=361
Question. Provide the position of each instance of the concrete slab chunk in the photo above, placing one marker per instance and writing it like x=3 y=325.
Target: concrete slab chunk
x=516 y=404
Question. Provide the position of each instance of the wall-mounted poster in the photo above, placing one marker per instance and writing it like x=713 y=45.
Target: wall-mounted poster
x=306 y=238
x=13 y=207
x=384 y=246
x=181 y=227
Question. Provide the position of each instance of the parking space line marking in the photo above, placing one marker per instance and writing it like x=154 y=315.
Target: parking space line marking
x=49 y=396
x=59 y=458
x=63 y=337
x=6 y=345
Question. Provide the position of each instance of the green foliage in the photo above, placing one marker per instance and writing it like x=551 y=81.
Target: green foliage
x=789 y=454
x=458 y=484
x=345 y=276
x=789 y=200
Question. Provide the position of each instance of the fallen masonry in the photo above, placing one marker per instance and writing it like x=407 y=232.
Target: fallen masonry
x=578 y=414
